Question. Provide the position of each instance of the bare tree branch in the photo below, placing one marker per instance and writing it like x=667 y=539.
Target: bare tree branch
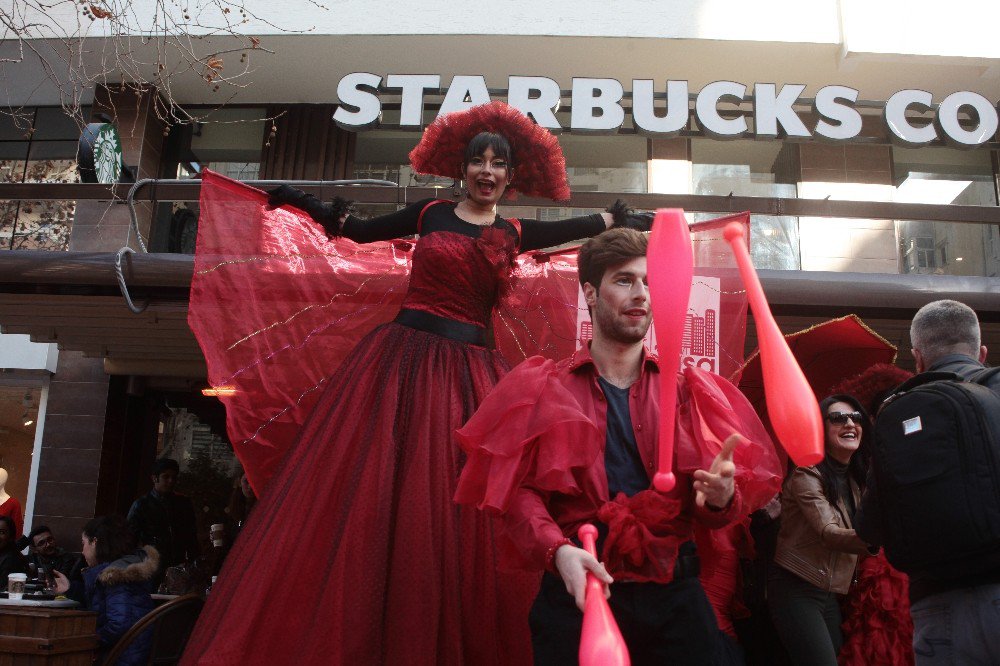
x=79 y=44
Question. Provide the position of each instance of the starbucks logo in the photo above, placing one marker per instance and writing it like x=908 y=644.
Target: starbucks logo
x=100 y=154
x=108 y=155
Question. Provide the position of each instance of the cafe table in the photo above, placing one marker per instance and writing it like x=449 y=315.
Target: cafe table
x=51 y=631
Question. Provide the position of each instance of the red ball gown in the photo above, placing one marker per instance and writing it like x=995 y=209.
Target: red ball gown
x=355 y=552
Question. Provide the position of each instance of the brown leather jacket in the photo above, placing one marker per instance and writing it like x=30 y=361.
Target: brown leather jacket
x=817 y=541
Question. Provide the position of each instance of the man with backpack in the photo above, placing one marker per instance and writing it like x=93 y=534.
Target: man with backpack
x=933 y=497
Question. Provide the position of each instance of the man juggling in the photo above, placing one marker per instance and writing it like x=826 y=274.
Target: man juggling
x=558 y=445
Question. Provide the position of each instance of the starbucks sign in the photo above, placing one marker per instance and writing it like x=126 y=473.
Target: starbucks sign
x=99 y=156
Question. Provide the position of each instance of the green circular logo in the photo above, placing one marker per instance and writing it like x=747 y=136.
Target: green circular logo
x=108 y=154
x=100 y=154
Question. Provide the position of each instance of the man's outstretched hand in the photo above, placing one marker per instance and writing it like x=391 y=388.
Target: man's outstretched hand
x=715 y=487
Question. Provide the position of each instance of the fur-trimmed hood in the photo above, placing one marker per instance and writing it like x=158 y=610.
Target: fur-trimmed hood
x=137 y=567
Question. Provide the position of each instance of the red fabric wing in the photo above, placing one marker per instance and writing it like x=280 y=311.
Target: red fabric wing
x=276 y=306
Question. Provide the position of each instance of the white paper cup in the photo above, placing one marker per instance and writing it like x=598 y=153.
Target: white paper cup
x=15 y=585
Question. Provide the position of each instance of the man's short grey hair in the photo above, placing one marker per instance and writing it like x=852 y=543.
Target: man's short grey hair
x=945 y=327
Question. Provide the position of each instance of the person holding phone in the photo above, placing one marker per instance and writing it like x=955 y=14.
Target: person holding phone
x=46 y=557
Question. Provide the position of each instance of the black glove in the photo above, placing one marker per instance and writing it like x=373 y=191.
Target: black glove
x=326 y=214
x=626 y=218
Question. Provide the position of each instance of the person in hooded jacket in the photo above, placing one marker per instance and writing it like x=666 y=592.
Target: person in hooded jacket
x=116 y=585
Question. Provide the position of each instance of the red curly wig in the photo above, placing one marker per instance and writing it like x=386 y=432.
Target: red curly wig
x=872 y=385
x=535 y=152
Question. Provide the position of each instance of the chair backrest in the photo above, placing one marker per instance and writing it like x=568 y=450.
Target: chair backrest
x=170 y=625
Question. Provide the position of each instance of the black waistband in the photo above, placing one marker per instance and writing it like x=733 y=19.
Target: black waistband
x=446 y=328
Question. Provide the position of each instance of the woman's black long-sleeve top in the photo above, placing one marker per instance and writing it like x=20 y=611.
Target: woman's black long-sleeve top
x=534 y=235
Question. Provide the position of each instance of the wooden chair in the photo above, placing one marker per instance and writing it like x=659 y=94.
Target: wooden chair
x=170 y=625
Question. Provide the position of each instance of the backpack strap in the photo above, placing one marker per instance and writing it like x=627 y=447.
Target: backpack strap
x=915 y=381
x=926 y=378
x=980 y=377
x=985 y=375
x=420 y=218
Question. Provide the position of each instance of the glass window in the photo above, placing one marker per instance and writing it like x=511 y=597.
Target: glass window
x=48 y=156
x=946 y=176
x=597 y=163
x=46 y=225
x=13 y=155
x=756 y=169
x=229 y=141
x=15 y=125
x=385 y=155
x=54 y=124
x=235 y=170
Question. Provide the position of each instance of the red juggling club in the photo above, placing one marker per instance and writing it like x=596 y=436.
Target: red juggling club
x=669 y=268
x=791 y=407
x=601 y=643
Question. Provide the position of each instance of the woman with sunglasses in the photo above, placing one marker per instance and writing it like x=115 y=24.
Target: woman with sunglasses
x=817 y=550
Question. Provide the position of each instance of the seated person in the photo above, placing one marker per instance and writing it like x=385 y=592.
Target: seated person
x=46 y=555
x=116 y=584
x=11 y=559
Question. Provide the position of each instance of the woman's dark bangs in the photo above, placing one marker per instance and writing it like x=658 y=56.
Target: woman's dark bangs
x=484 y=140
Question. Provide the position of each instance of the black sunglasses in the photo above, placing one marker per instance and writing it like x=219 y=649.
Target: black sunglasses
x=840 y=418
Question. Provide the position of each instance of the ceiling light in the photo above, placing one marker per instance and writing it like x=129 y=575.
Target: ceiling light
x=27 y=420
x=219 y=391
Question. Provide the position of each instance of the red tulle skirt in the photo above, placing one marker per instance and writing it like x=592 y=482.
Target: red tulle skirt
x=878 y=630
x=356 y=553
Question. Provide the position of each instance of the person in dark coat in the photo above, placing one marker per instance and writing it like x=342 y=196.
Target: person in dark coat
x=11 y=560
x=953 y=615
x=164 y=519
x=116 y=585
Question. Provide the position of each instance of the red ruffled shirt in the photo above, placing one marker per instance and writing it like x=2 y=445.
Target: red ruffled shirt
x=535 y=456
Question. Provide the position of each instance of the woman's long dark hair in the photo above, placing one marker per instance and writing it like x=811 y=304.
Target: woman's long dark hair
x=114 y=538
x=857 y=469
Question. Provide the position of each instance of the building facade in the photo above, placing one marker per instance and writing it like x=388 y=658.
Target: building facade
x=867 y=154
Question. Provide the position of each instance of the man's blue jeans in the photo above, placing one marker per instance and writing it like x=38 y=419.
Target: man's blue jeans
x=958 y=627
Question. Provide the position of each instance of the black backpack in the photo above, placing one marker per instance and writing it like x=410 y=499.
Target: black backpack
x=936 y=462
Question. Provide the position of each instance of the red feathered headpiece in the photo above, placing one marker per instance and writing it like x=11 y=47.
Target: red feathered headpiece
x=539 y=165
x=872 y=385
